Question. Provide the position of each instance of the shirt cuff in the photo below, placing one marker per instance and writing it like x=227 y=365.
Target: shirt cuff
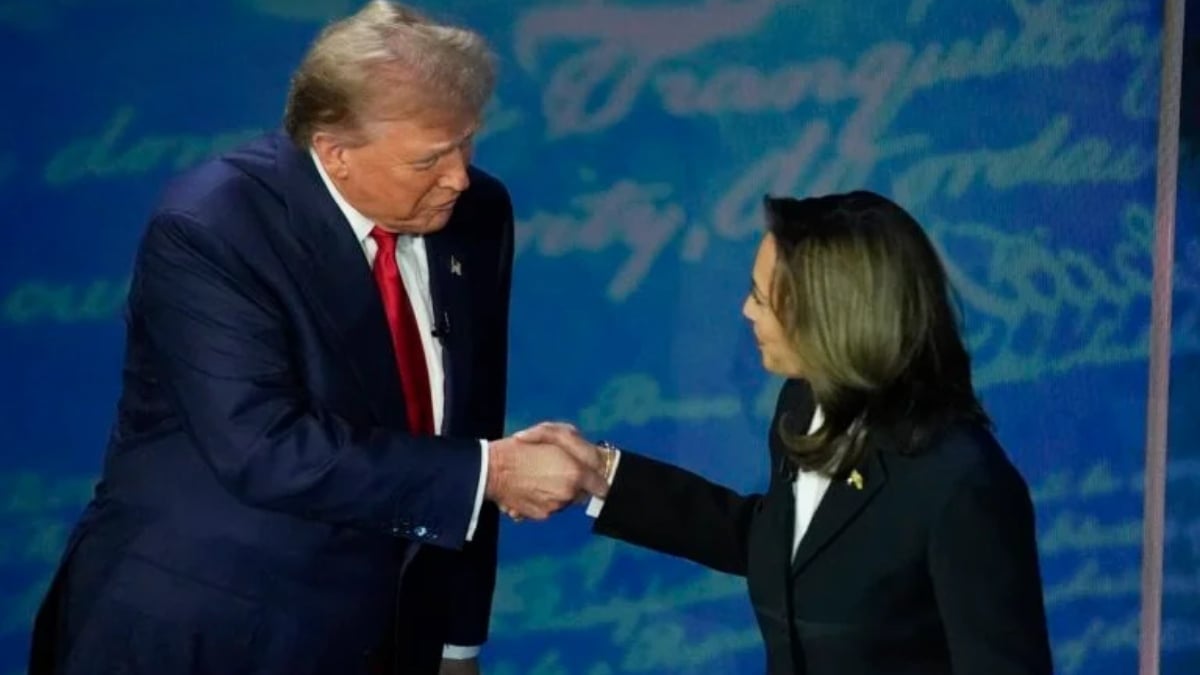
x=459 y=653
x=483 y=469
x=596 y=504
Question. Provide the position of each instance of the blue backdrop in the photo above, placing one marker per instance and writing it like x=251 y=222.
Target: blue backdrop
x=637 y=139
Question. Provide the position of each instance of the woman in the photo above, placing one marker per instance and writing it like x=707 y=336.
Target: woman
x=895 y=536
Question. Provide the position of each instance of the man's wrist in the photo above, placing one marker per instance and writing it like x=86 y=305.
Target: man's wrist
x=460 y=652
x=496 y=467
x=480 y=489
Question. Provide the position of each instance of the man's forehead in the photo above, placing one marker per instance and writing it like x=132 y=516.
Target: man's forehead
x=428 y=132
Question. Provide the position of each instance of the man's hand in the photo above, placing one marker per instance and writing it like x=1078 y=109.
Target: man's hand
x=459 y=667
x=535 y=479
x=568 y=438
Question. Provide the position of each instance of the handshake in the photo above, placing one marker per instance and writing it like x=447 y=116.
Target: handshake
x=538 y=471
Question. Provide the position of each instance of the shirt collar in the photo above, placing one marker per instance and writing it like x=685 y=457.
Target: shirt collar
x=818 y=418
x=361 y=224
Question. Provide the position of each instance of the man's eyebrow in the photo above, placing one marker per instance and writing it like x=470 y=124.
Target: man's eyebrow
x=432 y=155
x=439 y=151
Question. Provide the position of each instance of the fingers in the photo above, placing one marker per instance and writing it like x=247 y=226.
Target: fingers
x=583 y=452
x=527 y=511
x=547 y=432
x=555 y=469
x=573 y=488
x=565 y=436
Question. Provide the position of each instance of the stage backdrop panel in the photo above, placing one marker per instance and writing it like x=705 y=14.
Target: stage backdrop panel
x=637 y=139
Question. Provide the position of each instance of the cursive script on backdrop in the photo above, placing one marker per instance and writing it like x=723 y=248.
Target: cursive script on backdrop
x=623 y=52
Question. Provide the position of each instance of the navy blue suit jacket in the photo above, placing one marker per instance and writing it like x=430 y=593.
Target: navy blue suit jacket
x=262 y=507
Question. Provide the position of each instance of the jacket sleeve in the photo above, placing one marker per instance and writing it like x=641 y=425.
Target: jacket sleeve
x=668 y=509
x=220 y=343
x=984 y=567
x=674 y=511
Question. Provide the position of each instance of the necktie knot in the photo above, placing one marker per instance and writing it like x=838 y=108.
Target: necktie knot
x=384 y=239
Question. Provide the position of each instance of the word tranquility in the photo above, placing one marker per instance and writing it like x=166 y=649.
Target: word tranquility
x=623 y=51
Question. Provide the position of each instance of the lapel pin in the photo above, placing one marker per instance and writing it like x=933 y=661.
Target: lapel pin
x=855 y=479
x=455 y=267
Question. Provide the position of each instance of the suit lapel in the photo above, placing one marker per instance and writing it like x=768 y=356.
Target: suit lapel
x=332 y=272
x=449 y=288
x=842 y=503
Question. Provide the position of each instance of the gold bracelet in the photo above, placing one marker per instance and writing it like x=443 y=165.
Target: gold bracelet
x=610 y=458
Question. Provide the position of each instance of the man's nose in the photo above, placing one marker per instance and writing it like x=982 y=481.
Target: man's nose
x=456 y=177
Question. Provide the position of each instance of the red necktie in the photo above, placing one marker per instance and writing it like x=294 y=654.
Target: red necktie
x=406 y=337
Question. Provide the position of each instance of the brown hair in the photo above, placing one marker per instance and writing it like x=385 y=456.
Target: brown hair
x=865 y=302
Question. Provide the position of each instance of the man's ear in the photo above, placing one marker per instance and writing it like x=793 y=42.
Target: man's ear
x=331 y=152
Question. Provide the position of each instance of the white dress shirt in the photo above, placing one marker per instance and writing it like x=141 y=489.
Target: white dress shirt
x=414 y=270
x=808 y=489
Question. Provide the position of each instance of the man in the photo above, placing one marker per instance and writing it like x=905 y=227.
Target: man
x=299 y=479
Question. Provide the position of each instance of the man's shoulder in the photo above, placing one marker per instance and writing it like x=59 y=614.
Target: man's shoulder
x=486 y=188
x=484 y=212
x=243 y=178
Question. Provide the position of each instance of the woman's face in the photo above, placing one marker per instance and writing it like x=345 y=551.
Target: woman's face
x=778 y=354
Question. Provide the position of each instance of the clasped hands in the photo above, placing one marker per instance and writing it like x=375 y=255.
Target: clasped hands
x=537 y=472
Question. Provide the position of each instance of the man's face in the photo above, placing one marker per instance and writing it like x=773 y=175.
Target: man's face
x=408 y=175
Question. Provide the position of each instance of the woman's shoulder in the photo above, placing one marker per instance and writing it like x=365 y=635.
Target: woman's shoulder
x=966 y=444
x=967 y=451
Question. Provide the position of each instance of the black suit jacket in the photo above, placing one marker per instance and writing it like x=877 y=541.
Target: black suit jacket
x=931 y=567
x=263 y=507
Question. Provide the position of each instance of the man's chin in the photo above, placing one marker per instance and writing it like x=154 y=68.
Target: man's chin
x=436 y=222
x=428 y=225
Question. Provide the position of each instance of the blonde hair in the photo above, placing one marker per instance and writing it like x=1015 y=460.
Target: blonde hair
x=387 y=61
